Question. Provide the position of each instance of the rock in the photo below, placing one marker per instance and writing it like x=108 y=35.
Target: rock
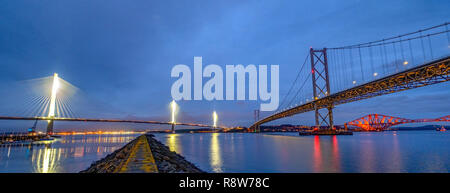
x=167 y=161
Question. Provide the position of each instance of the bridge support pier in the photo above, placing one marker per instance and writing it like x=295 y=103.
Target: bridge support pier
x=321 y=87
x=330 y=116
x=173 y=128
x=254 y=128
x=50 y=127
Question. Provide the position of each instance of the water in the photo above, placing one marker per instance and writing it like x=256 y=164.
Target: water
x=404 y=151
x=71 y=153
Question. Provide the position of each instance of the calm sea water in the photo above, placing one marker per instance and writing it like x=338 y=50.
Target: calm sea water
x=71 y=153
x=402 y=151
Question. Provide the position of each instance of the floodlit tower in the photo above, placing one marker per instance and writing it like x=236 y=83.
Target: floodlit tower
x=214 y=119
x=173 y=106
x=51 y=112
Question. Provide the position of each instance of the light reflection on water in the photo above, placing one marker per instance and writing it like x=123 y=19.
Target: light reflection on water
x=401 y=151
x=215 y=154
x=71 y=153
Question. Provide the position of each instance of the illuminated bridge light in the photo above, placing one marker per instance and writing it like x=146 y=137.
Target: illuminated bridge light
x=173 y=106
x=375 y=74
x=405 y=63
x=55 y=88
x=354 y=82
x=215 y=117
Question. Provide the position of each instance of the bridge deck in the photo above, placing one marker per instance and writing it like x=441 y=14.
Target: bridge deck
x=140 y=159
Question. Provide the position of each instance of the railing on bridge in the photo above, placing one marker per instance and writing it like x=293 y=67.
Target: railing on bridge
x=355 y=72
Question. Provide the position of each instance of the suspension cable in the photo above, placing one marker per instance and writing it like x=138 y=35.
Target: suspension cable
x=298 y=91
x=296 y=78
x=361 y=65
x=431 y=48
x=391 y=38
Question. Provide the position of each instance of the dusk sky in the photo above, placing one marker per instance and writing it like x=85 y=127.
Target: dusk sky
x=120 y=53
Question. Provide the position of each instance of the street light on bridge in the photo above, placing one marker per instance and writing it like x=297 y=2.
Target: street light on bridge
x=173 y=106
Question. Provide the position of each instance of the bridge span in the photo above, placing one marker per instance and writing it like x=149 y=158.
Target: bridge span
x=108 y=120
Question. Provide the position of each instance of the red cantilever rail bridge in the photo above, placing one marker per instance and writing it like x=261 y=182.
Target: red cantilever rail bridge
x=378 y=122
x=105 y=120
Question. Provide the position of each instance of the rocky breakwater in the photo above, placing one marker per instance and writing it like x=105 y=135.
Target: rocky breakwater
x=167 y=161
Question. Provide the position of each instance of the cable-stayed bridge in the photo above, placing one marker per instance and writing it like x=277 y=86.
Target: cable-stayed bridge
x=339 y=75
x=58 y=107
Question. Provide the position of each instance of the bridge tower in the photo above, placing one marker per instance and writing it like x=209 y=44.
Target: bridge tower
x=51 y=112
x=321 y=87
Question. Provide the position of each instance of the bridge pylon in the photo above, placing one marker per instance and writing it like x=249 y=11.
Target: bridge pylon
x=256 y=114
x=321 y=87
x=256 y=129
x=52 y=108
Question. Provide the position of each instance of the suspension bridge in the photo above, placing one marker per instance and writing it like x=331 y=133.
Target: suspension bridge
x=378 y=122
x=356 y=72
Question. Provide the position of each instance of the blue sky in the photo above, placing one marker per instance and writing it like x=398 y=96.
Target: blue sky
x=121 y=52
